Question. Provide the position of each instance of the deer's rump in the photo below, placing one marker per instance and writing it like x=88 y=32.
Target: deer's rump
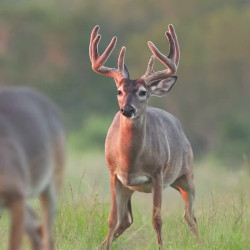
x=30 y=132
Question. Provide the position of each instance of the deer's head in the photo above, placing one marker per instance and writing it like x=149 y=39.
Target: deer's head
x=133 y=95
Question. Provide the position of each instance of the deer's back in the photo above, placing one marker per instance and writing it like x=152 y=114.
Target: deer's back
x=30 y=132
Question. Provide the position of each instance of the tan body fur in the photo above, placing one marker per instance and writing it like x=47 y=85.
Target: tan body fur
x=147 y=154
x=146 y=149
x=32 y=145
x=140 y=136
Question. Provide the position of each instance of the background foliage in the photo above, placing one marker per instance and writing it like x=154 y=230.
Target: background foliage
x=44 y=44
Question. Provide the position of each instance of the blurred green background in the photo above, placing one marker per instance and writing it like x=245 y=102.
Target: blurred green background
x=44 y=44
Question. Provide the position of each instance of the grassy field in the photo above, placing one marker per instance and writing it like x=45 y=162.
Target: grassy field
x=222 y=210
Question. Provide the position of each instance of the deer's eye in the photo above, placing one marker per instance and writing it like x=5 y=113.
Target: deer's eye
x=142 y=93
x=119 y=92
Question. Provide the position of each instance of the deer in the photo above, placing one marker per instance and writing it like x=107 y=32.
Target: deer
x=146 y=149
x=32 y=152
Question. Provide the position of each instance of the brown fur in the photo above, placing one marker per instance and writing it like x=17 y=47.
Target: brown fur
x=146 y=149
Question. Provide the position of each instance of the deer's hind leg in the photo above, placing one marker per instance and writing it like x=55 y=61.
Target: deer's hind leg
x=33 y=228
x=17 y=213
x=157 y=202
x=49 y=198
x=185 y=185
x=49 y=206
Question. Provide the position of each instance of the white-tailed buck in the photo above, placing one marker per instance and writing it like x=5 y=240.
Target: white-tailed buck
x=146 y=149
x=32 y=144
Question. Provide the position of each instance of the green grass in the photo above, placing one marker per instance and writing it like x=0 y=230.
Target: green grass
x=222 y=210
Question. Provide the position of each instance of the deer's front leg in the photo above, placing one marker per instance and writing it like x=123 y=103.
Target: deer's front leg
x=157 y=201
x=112 y=222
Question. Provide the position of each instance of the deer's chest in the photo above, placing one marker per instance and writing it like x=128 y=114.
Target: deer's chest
x=132 y=172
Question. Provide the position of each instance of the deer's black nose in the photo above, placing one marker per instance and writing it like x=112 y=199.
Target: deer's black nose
x=128 y=110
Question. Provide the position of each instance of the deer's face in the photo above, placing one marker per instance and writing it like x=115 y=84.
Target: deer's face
x=132 y=97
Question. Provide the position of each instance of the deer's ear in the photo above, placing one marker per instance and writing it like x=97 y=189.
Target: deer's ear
x=162 y=87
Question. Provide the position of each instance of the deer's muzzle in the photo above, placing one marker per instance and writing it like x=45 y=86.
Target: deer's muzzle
x=128 y=111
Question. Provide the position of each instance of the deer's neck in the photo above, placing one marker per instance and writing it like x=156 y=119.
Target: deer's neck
x=132 y=137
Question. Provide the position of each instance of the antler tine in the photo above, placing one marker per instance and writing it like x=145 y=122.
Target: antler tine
x=104 y=57
x=98 y=61
x=177 y=48
x=171 y=61
x=121 y=59
x=92 y=37
x=150 y=68
x=171 y=45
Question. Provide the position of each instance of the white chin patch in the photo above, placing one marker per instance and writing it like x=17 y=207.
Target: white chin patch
x=132 y=117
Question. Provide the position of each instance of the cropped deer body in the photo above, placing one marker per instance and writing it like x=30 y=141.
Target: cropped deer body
x=32 y=147
x=146 y=149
